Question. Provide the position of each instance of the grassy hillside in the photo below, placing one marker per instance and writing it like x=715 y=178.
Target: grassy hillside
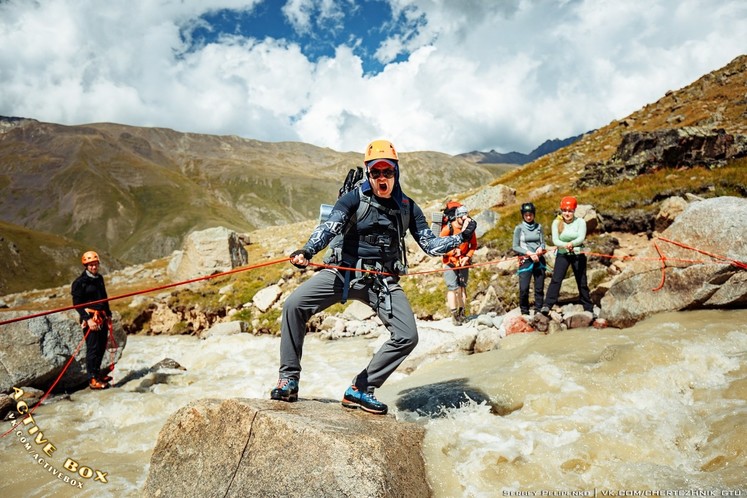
x=137 y=192
x=31 y=259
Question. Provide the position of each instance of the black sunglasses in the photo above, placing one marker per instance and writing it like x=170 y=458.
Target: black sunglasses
x=386 y=173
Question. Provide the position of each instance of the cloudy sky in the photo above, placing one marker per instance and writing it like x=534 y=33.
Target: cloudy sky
x=446 y=75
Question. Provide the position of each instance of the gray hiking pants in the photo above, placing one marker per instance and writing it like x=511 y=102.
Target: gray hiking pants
x=322 y=291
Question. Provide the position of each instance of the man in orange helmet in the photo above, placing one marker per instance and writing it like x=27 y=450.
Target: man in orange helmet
x=94 y=318
x=373 y=220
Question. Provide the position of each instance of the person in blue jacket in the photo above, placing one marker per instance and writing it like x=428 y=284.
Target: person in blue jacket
x=373 y=220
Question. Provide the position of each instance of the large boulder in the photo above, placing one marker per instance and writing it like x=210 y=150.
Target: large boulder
x=33 y=352
x=716 y=226
x=269 y=448
x=206 y=252
x=493 y=196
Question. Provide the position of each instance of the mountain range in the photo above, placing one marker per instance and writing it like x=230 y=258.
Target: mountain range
x=493 y=157
x=133 y=193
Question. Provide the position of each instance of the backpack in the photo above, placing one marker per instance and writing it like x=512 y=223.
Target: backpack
x=440 y=219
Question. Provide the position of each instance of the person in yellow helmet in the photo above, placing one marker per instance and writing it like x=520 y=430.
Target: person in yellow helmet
x=373 y=220
x=94 y=318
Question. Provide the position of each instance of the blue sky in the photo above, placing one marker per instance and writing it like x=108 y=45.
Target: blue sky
x=450 y=76
x=318 y=34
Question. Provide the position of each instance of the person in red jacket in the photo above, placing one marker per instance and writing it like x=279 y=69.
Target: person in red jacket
x=455 y=276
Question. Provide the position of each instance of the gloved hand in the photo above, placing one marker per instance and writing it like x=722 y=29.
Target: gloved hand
x=300 y=263
x=468 y=230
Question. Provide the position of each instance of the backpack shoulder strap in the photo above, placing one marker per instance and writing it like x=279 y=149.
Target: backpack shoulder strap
x=364 y=205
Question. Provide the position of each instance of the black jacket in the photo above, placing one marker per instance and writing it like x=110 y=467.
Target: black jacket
x=86 y=289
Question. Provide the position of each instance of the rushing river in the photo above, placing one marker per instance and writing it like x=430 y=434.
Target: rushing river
x=661 y=407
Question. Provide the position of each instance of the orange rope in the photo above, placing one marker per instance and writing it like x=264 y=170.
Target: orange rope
x=663 y=268
x=146 y=291
x=662 y=258
x=424 y=272
x=738 y=264
x=112 y=354
x=49 y=391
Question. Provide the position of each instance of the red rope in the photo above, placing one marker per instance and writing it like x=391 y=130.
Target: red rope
x=425 y=272
x=54 y=384
x=663 y=259
x=146 y=291
x=663 y=268
x=112 y=354
x=738 y=264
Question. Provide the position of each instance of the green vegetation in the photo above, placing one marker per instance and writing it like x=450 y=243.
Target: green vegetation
x=644 y=193
x=40 y=258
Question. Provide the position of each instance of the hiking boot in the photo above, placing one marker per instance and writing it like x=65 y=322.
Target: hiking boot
x=97 y=384
x=353 y=398
x=286 y=390
x=102 y=377
x=545 y=311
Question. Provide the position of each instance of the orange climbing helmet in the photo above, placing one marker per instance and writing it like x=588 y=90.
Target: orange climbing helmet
x=380 y=149
x=89 y=257
x=568 y=203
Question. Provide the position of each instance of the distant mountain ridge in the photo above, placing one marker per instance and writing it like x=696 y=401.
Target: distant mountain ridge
x=135 y=193
x=493 y=157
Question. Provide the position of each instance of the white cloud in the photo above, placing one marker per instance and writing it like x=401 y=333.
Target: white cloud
x=480 y=75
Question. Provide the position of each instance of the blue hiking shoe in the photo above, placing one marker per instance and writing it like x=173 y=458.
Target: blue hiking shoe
x=286 y=390
x=353 y=398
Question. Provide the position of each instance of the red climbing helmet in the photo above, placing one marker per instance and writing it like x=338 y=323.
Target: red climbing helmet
x=567 y=203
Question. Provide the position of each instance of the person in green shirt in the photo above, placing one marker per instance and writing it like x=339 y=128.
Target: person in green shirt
x=568 y=234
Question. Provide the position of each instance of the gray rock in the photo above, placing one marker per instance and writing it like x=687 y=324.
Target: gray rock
x=33 y=352
x=266 y=297
x=670 y=208
x=206 y=252
x=487 y=339
x=143 y=379
x=486 y=220
x=578 y=319
x=225 y=328
x=494 y=196
x=356 y=310
x=713 y=225
x=433 y=399
x=589 y=215
x=684 y=147
x=268 y=448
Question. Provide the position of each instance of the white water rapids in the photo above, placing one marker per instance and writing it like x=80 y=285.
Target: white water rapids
x=661 y=406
